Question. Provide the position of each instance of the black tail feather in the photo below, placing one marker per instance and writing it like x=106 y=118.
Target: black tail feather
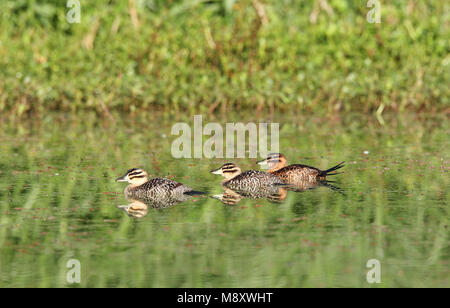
x=193 y=193
x=335 y=173
x=328 y=171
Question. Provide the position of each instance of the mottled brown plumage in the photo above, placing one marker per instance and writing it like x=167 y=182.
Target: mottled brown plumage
x=248 y=181
x=296 y=174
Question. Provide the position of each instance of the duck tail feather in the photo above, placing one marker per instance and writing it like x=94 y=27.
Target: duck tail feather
x=328 y=171
x=194 y=193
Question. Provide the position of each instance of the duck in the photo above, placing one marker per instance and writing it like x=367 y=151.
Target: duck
x=251 y=181
x=296 y=174
x=159 y=191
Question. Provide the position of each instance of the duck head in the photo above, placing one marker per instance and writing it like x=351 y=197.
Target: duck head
x=134 y=176
x=274 y=161
x=228 y=171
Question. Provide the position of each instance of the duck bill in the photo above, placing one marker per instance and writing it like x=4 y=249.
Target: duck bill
x=122 y=179
x=217 y=171
x=262 y=162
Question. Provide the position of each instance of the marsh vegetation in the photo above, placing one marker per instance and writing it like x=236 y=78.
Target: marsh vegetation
x=223 y=55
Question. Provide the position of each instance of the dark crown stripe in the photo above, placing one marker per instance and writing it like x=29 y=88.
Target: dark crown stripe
x=230 y=171
x=136 y=173
x=137 y=177
x=231 y=168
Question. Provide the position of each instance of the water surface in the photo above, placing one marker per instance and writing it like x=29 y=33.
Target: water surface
x=59 y=201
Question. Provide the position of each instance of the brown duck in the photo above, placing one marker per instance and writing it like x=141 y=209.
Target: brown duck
x=297 y=173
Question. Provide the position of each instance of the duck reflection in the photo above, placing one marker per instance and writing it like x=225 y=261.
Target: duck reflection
x=273 y=194
x=138 y=208
x=233 y=197
x=301 y=186
x=228 y=197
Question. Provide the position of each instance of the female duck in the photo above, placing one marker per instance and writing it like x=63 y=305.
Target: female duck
x=251 y=180
x=296 y=173
x=157 y=189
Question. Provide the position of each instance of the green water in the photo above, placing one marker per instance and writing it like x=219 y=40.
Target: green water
x=58 y=201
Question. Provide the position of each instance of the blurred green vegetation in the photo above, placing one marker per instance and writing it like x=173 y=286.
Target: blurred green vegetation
x=58 y=201
x=220 y=55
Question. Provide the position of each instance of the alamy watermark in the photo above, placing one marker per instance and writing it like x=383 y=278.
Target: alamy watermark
x=190 y=143
x=74 y=273
x=74 y=14
x=374 y=15
x=374 y=274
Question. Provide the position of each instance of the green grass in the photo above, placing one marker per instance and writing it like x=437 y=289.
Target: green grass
x=217 y=56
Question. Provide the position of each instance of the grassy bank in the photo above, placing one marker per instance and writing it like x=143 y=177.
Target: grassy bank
x=212 y=56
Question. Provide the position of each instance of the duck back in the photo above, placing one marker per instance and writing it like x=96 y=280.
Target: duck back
x=252 y=180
